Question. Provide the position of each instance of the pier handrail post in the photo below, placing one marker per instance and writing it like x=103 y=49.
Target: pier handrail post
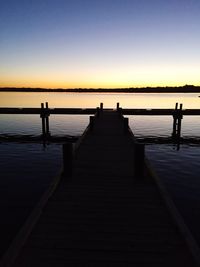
x=180 y=117
x=139 y=157
x=180 y=111
x=47 y=114
x=42 y=116
x=67 y=158
x=175 y=118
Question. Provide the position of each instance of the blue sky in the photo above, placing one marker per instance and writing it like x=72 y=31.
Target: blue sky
x=106 y=43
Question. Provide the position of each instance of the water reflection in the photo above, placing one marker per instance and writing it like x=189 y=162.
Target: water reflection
x=155 y=129
x=60 y=125
x=92 y=100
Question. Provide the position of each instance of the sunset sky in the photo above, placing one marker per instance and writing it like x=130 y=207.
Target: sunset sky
x=104 y=43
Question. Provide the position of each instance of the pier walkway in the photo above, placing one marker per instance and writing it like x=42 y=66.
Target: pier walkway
x=103 y=215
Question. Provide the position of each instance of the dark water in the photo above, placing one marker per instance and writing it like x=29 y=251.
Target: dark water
x=26 y=171
x=179 y=171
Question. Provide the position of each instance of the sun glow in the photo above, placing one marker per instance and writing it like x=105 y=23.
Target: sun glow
x=110 y=78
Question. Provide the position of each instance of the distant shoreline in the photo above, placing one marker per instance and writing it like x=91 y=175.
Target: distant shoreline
x=180 y=89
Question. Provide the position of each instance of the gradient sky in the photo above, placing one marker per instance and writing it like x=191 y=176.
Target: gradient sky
x=105 y=43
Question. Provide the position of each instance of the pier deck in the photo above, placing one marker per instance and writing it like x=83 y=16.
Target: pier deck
x=101 y=215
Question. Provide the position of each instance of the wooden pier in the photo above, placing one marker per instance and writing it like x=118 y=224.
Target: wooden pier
x=45 y=113
x=106 y=209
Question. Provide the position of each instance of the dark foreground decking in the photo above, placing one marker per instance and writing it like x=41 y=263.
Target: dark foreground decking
x=102 y=216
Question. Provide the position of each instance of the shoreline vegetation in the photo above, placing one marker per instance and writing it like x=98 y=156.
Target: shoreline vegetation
x=179 y=89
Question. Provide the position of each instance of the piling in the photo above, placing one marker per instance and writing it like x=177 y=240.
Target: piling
x=42 y=115
x=180 y=116
x=47 y=119
x=177 y=120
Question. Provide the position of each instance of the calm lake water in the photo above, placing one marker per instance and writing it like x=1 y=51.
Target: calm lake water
x=27 y=168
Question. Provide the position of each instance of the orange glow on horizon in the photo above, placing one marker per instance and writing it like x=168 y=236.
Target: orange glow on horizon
x=123 y=77
x=65 y=85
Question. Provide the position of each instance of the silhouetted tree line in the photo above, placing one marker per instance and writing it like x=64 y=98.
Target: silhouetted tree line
x=179 y=89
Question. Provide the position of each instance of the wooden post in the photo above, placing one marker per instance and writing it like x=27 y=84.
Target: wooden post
x=139 y=157
x=117 y=106
x=47 y=119
x=119 y=112
x=175 y=117
x=91 y=123
x=178 y=132
x=181 y=107
x=101 y=106
x=98 y=112
x=180 y=116
x=125 y=125
x=67 y=158
x=43 y=120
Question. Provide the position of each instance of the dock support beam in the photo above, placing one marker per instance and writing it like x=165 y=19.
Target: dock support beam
x=47 y=119
x=177 y=121
x=44 y=115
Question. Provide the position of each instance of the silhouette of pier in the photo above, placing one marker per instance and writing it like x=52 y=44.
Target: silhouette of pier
x=45 y=113
x=107 y=208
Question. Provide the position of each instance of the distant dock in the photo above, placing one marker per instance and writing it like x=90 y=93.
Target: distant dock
x=107 y=208
x=45 y=111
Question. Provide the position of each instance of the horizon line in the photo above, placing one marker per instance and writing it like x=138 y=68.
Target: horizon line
x=98 y=88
